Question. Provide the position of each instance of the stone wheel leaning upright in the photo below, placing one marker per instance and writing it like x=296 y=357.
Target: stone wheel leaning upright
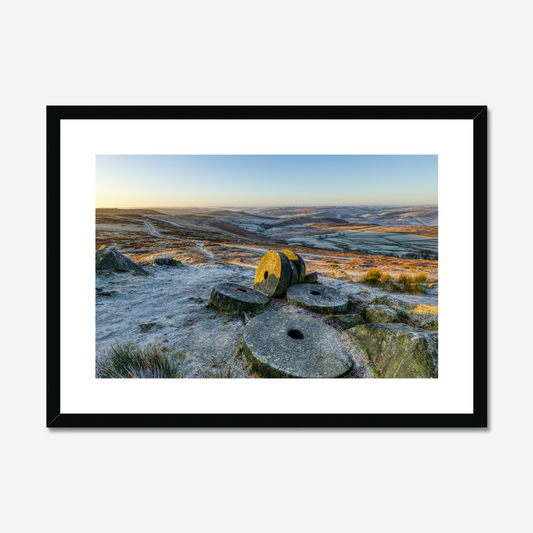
x=298 y=262
x=273 y=265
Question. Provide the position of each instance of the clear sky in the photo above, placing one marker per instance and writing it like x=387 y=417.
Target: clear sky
x=264 y=180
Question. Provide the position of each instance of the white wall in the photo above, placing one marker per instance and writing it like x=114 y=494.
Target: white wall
x=276 y=52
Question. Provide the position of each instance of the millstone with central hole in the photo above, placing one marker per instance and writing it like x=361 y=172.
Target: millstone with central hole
x=318 y=298
x=277 y=266
x=290 y=345
x=298 y=262
x=236 y=298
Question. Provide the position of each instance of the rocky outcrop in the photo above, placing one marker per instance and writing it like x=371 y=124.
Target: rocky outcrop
x=312 y=277
x=380 y=314
x=397 y=350
x=348 y=321
x=107 y=258
x=166 y=261
x=387 y=300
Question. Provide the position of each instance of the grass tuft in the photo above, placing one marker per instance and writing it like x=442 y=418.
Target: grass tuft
x=130 y=361
x=412 y=284
x=404 y=283
x=372 y=277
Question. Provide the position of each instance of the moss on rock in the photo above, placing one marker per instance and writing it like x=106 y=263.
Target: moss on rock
x=398 y=350
x=380 y=314
x=425 y=316
x=348 y=321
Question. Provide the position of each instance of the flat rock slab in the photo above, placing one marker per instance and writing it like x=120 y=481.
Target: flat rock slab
x=317 y=298
x=277 y=265
x=312 y=277
x=165 y=261
x=298 y=262
x=107 y=258
x=398 y=350
x=291 y=345
x=237 y=298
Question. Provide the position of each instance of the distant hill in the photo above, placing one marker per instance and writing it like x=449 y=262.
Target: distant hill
x=306 y=220
x=420 y=215
x=117 y=211
x=235 y=230
x=183 y=210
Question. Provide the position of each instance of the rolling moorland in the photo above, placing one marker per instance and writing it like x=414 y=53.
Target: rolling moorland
x=370 y=254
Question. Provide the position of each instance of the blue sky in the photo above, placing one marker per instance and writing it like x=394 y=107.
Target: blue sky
x=264 y=180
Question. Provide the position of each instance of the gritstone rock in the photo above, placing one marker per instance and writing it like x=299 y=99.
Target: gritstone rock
x=348 y=321
x=277 y=265
x=317 y=298
x=398 y=350
x=425 y=316
x=389 y=300
x=107 y=258
x=381 y=314
x=295 y=259
x=237 y=298
x=292 y=345
x=166 y=261
x=312 y=277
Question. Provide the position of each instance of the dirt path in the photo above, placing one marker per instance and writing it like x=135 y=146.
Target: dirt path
x=200 y=246
x=153 y=231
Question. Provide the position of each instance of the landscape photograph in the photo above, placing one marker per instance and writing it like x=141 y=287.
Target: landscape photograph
x=266 y=266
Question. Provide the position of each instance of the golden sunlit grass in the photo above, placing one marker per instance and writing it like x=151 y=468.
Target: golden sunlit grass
x=403 y=283
x=372 y=277
x=423 y=309
x=412 y=284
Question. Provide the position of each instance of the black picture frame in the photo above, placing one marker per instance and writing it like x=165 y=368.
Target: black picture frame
x=477 y=419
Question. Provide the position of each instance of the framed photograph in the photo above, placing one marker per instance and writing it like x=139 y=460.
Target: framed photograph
x=198 y=256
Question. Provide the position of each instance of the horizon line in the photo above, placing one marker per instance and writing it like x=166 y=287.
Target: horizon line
x=263 y=206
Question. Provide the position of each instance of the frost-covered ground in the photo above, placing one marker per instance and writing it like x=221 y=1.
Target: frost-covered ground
x=170 y=308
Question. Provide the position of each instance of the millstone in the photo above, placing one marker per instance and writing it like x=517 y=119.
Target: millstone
x=277 y=265
x=236 y=298
x=295 y=275
x=295 y=259
x=318 y=298
x=312 y=277
x=267 y=286
x=282 y=345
